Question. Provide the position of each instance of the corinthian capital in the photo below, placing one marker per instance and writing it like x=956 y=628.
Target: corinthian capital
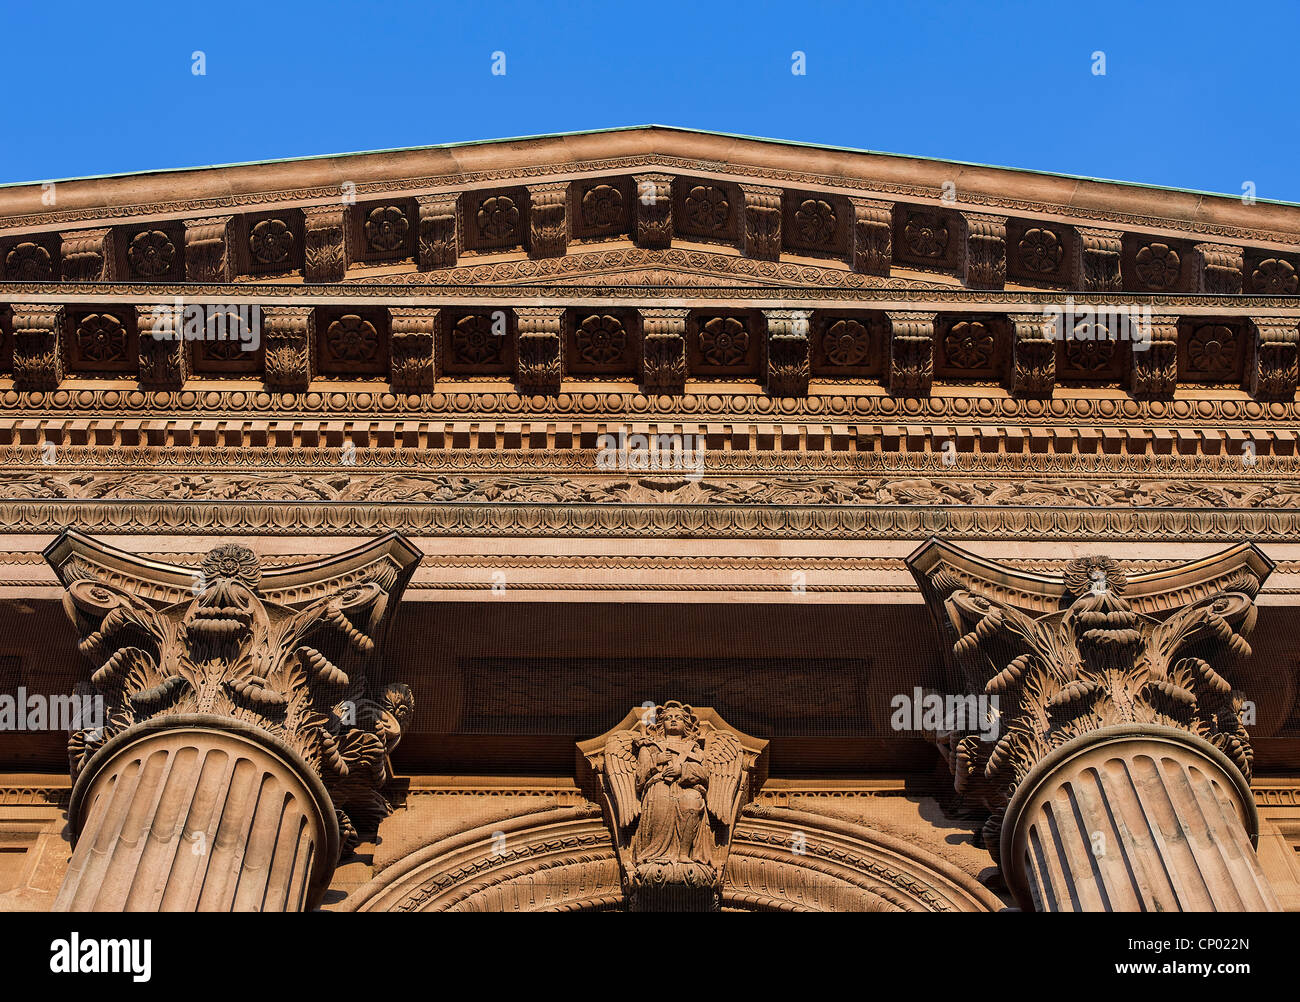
x=289 y=651
x=1062 y=657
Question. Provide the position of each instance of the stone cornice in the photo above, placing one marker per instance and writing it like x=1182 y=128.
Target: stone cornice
x=215 y=189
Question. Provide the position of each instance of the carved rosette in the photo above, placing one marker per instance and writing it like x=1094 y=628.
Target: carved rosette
x=228 y=674
x=1095 y=671
x=673 y=781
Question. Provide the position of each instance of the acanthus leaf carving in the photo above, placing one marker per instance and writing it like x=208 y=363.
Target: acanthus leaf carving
x=299 y=673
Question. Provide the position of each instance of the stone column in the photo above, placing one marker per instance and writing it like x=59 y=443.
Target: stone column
x=198 y=813
x=1111 y=753
x=1132 y=818
x=243 y=745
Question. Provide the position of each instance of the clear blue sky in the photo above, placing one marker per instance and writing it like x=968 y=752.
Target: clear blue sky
x=1196 y=94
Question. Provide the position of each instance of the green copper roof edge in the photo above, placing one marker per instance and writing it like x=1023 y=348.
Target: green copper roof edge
x=639 y=128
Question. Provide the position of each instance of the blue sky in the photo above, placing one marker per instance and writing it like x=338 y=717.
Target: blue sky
x=1195 y=95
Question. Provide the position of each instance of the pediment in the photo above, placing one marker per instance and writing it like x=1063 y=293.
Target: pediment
x=747 y=211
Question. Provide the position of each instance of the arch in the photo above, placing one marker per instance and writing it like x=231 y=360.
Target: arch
x=563 y=859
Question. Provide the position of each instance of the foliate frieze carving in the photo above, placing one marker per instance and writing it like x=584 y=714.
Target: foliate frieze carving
x=413 y=339
x=911 y=354
x=789 y=362
x=165 y=355
x=1097 y=260
x=1095 y=663
x=40 y=356
x=290 y=347
x=663 y=350
x=208 y=252
x=985 y=251
x=548 y=219
x=1032 y=370
x=652 y=210
x=1219 y=269
x=325 y=243
x=299 y=674
x=89 y=256
x=438 y=239
x=1154 y=371
x=873 y=231
x=540 y=356
x=1273 y=372
x=674 y=781
x=761 y=238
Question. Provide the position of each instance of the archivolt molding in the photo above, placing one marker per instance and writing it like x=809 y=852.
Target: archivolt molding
x=564 y=860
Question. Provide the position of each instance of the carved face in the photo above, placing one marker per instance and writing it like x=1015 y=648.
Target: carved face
x=674 y=721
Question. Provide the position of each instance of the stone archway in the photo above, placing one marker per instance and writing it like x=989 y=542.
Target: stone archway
x=564 y=860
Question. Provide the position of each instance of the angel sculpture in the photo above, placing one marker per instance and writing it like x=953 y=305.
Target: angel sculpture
x=674 y=789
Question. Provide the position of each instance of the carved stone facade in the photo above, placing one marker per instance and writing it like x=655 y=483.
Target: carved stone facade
x=773 y=447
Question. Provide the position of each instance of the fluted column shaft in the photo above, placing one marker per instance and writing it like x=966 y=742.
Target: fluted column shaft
x=198 y=813
x=1134 y=818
